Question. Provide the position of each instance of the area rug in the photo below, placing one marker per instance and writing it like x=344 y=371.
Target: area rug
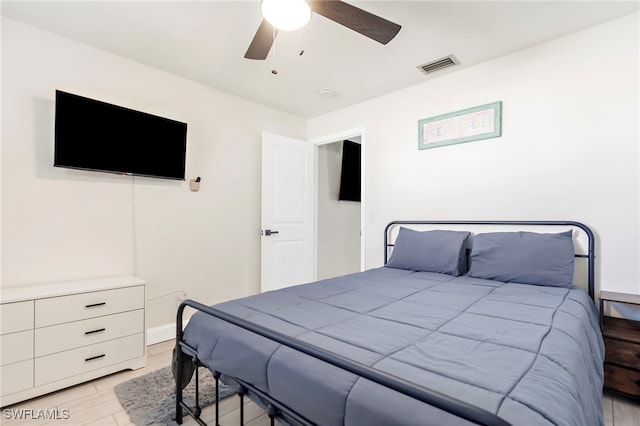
x=151 y=399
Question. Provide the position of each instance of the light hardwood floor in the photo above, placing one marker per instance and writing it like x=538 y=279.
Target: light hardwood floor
x=95 y=403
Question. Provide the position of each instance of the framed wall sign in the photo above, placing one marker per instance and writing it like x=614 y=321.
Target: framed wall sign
x=471 y=124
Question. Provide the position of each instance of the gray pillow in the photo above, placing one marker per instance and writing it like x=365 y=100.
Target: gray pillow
x=431 y=251
x=524 y=257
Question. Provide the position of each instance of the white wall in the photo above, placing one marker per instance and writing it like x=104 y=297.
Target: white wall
x=569 y=150
x=338 y=221
x=61 y=224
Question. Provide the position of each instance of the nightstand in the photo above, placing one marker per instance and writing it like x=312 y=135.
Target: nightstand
x=622 y=345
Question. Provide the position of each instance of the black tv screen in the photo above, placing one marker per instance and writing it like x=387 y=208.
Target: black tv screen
x=350 y=172
x=95 y=135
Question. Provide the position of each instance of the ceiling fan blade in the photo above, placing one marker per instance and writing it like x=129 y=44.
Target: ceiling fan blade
x=356 y=19
x=262 y=42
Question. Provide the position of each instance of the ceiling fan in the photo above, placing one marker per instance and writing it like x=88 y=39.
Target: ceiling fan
x=356 y=19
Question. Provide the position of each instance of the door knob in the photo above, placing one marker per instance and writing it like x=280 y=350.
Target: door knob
x=268 y=232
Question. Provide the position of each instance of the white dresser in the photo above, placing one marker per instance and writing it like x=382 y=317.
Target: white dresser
x=58 y=335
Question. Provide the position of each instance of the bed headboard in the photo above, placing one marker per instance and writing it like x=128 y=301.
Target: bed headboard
x=585 y=243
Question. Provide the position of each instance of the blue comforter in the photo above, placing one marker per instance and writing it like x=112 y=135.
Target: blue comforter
x=533 y=355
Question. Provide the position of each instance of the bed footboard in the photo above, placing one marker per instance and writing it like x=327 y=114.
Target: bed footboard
x=276 y=408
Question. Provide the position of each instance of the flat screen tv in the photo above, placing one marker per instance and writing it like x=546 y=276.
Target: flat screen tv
x=350 y=172
x=98 y=136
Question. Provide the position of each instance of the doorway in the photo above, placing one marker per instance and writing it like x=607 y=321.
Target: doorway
x=339 y=222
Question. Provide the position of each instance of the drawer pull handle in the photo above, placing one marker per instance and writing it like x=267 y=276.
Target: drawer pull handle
x=94 y=331
x=94 y=357
x=95 y=305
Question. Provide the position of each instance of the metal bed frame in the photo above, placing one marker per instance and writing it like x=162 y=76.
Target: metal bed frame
x=277 y=409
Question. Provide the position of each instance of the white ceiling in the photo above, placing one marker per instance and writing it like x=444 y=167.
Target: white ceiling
x=205 y=41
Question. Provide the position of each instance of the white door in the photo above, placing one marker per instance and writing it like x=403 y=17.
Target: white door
x=287 y=211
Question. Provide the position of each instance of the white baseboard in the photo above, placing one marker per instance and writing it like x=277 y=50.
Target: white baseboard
x=162 y=333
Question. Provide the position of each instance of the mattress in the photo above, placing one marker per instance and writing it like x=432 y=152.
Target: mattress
x=531 y=354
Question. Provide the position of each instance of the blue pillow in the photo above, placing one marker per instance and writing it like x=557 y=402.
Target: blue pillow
x=524 y=257
x=430 y=251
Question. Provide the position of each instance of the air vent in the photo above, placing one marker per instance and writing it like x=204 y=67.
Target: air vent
x=431 y=67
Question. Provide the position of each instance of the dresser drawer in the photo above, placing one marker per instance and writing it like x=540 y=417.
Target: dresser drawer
x=62 y=365
x=623 y=353
x=16 y=317
x=58 y=310
x=622 y=379
x=62 y=337
x=16 y=347
x=16 y=377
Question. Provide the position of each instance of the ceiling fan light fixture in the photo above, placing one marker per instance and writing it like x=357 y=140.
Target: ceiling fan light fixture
x=286 y=15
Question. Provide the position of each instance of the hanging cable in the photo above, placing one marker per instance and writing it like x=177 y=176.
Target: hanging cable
x=274 y=70
x=134 y=231
x=301 y=51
